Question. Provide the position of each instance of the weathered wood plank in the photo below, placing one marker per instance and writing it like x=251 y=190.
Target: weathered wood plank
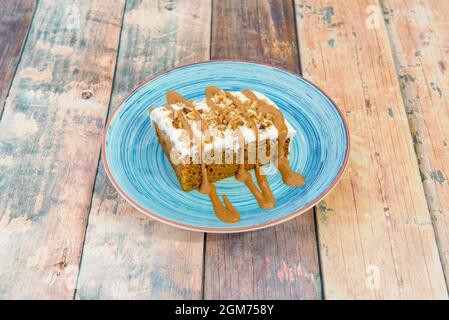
x=50 y=137
x=375 y=232
x=420 y=36
x=279 y=262
x=128 y=255
x=15 y=20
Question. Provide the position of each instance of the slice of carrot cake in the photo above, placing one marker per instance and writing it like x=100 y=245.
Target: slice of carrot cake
x=224 y=135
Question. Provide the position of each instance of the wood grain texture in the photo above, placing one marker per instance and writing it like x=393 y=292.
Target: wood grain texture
x=420 y=37
x=280 y=262
x=15 y=20
x=375 y=232
x=50 y=142
x=127 y=254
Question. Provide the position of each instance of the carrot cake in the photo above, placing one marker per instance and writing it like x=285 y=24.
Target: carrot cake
x=224 y=135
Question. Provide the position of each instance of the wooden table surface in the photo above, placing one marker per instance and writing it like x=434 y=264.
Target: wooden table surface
x=65 y=232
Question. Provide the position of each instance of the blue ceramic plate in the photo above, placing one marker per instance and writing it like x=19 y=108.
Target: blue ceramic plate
x=139 y=169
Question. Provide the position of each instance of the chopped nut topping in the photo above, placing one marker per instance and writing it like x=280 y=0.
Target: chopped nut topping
x=190 y=116
x=177 y=124
x=209 y=139
x=226 y=111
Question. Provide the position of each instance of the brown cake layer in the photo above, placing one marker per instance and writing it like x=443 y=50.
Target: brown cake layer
x=189 y=175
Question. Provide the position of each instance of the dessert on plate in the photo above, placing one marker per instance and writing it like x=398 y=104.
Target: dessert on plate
x=224 y=135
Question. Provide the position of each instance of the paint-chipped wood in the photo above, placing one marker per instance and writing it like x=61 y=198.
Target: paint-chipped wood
x=127 y=254
x=279 y=262
x=420 y=39
x=15 y=20
x=375 y=231
x=50 y=142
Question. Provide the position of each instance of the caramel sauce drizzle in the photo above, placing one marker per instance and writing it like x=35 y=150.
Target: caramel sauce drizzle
x=290 y=177
x=212 y=105
x=264 y=196
x=169 y=108
x=212 y=91
x=227 y=212
x=173 y=97
x=184 y=123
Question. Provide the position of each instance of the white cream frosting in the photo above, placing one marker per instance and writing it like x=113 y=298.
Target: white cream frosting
x=229 y=140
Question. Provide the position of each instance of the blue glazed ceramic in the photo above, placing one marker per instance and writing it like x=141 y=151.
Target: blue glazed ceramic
x=139 y=169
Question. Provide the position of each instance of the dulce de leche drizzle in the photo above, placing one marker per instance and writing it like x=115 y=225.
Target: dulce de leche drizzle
x=264 y=196
x=227 y=212
x=290 y=177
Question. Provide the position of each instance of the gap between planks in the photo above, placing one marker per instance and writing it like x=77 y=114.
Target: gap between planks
x=10 y=59
x=415 y=32
x=56 y=134
x=279 y=262
x=369 y=232
x=145 y=259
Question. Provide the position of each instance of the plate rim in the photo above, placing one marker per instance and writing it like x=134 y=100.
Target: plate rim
x=223 y=230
